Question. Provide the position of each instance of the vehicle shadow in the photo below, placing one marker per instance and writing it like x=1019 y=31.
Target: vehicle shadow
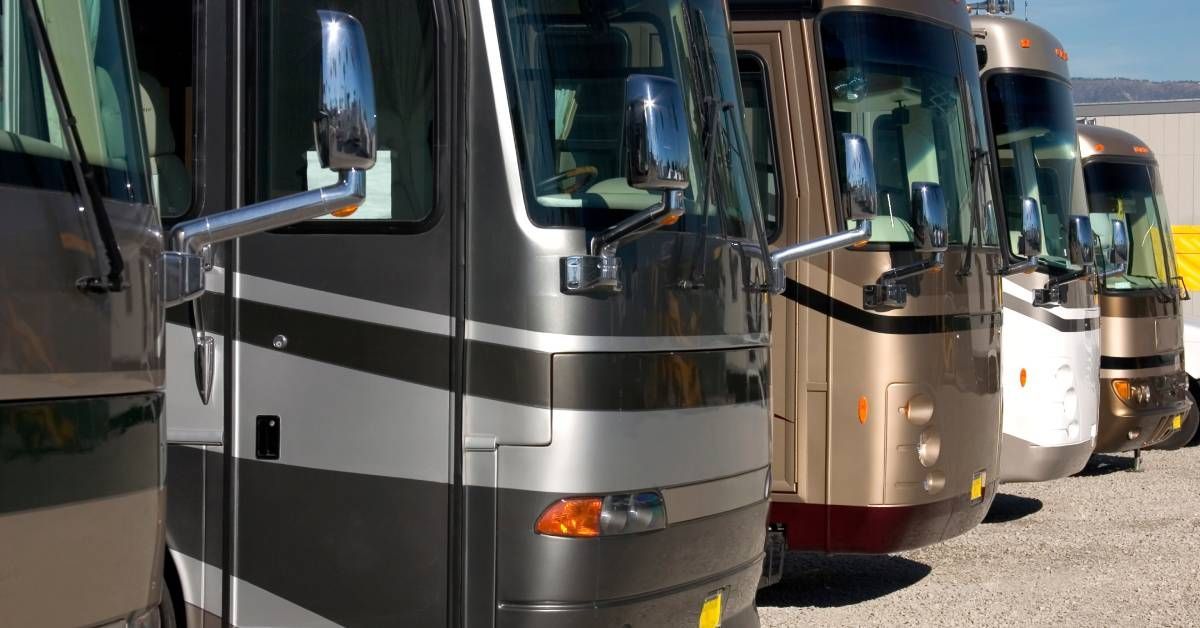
x=824 y=581
x=1104 y=464
x=1006 y=508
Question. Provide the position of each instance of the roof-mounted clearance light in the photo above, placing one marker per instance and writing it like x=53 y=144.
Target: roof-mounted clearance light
x=1099 y=148
x=1141 y=150
x=1062 y=54
x=1026 y=43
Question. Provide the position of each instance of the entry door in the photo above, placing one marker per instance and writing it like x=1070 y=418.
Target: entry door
x=773 y=64
x=343 y=408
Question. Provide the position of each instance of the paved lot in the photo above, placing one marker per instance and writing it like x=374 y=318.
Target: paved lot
x=1108 y=547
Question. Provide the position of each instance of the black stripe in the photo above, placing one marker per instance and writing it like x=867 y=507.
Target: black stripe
x=56 y=452
x=194 y=504
x=212 y=305
x=1143 y=362
x=849 y=314
x=1046 y=317
x=659 y=381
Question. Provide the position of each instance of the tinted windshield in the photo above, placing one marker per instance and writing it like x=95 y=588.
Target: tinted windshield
x=568 y=61
x=89 y=41
x=1132 y=192
x=1033 y=119
x=895 y=81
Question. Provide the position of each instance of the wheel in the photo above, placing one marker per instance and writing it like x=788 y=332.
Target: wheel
x=1194 y=388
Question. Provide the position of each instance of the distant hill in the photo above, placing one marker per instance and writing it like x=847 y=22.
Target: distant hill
x=1090 y=90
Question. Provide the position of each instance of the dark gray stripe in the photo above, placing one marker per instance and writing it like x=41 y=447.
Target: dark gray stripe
x=1046 y=317
x=360 y=550
x=1140 y=362
x=69 y=450
x=917 y=324
x=659 y=381
x=194 y=504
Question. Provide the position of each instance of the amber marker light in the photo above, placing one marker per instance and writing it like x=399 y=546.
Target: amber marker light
x=863 y=407
x=342 y=212
x=1099 y=148
x=670 y=219
x=575 y=517
x=1141 y=150
x=1121 y=387
x=1026 y=43
x=1024 y=377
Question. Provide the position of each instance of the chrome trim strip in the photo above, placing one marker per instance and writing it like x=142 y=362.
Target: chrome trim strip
x=571 y=343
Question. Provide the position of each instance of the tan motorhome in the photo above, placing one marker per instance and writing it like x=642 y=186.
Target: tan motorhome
x=1143 y=387
x=887 y=371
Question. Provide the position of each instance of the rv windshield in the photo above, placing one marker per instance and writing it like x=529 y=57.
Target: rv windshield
x=567 y=62
x=1132 y=192
x=1033 y=119
x=896 y=82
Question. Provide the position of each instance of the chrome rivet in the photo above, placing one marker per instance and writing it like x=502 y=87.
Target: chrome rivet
x=279 y=342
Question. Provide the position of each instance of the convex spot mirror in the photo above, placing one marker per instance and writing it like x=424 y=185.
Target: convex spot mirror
x=862 y=195
x=1031 y=228
x=931 y=224
x=1118 y=253
x=346 y=123
x=656 y=134
x=1082 y=249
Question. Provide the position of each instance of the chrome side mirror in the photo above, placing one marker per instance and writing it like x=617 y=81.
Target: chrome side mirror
x=346 y=123
x=656 y=134
x=931 y=224
x=346 y=138
x=861 y=194
x=1118 y=253
x=1031 y=228
x=1082 y=244
x=659 y=158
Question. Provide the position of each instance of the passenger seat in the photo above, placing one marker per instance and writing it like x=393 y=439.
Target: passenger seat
x=169 y=178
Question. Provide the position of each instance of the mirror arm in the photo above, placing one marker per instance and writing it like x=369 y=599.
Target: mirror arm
x=888 y=293
x=860 y=234
x=600 y=270
x=1055 y=291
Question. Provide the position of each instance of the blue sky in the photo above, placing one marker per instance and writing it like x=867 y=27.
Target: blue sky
x=1158 y=40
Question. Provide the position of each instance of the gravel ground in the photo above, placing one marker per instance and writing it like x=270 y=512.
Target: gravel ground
x=1107 y=547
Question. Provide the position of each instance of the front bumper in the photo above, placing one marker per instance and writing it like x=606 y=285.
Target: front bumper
x=1023 y=461
x=838 y=529
x=1123 y=428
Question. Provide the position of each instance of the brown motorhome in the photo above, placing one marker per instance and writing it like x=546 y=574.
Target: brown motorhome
x=1143 y=387
x=887 y=370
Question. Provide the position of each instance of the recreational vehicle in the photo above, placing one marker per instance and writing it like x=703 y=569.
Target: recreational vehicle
x=1143 y=386
x=526 y=381
x=1051 y=343
x=886 y=366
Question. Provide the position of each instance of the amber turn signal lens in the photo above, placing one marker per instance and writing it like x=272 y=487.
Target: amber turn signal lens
x=575 y=517
x=670 y=219
x=342 y=212
x=1024 y=377
x=1026 y=43
x=1099 y=148
x=1121 y=387
x=863 y=407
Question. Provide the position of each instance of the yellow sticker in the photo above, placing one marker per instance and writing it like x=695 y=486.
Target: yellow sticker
x=1177 y=422
x=977 y=484
x=710 y=613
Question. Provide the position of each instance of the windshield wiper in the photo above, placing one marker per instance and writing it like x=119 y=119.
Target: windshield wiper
x=85 y=173
x=977 y=157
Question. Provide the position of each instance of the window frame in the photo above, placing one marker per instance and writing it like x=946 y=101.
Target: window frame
x=255 y=12
x=773 y=232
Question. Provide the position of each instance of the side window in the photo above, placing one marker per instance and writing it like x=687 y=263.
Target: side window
x=756 y=96
x=87 y=40
x=163 y=38
x=400 y=39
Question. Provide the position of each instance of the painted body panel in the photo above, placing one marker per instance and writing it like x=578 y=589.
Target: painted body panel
x=842 y=483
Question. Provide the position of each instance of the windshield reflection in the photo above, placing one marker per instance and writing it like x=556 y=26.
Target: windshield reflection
x=1132 y=193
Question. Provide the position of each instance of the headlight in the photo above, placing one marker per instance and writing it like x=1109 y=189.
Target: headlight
x=586 y=517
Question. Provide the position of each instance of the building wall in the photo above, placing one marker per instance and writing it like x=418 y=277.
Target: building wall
x=1172 y=130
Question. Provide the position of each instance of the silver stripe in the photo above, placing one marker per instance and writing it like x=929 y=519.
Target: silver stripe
x=610 y=452
x=319 y=301
x=1135 y=373
x=506 y=423
x=570 y=343
x=694 y=501
x=1011 y=289
x=198 y=590
x=254 y=606
x=188 y=419
x=338 y=419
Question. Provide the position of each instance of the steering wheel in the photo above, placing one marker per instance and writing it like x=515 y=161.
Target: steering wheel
x=582 y=175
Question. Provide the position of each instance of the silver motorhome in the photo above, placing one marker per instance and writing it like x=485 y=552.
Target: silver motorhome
x=525 y=382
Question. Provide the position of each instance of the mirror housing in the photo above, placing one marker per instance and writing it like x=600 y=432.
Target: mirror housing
x=931 y=224
x=1118 y=253
x=346 y=124
x=862 y=192
x=659 y=159
x=1082 y=245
